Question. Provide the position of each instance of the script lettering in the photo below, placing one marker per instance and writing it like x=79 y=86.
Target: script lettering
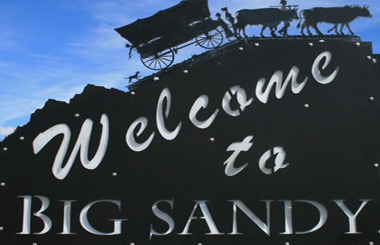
x=82 y=145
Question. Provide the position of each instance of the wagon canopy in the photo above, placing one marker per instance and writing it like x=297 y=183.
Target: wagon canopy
x=168 y=22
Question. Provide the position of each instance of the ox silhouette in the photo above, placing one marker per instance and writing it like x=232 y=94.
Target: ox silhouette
x=267 y=18
x=342 y=16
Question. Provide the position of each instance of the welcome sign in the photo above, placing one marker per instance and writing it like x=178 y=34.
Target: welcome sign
x=271 y=142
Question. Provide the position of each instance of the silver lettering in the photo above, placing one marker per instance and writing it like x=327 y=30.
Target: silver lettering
x=351 y=217
x=201 y=102
x=163 y=113
x=277 y=79
x=130 y=138
x=82 y=144
x=163 y=216
x=239 y=204
x=237 y=147
x=27 y=215
x=83 y=218
x=206 y=216
x=317 y=74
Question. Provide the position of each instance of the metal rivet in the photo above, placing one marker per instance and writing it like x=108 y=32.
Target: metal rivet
x=185 y=71
x=369 y=57
x=22 y=138
x=156 y=79
x=212 y=139
x=376 y=165
x=374 y=61
x=287 y=243
x=199 y=243
x=219 y=63
x=1 y=228
x=2 y=184
x=371 y=243
x=306 y=105
x=133 y=93
x=257 y=44
x=241 y=48
x=114 y=174
x=77 y=115
x=132 y=243
x=357 y=44
x=311 y=44
x=321 y=41
x=34 y=243
x=371 y=98
x=5 y=149
x=378 y=232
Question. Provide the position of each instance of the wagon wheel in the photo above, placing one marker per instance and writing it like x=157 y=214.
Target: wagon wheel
x=212 y=39
x=159 y=61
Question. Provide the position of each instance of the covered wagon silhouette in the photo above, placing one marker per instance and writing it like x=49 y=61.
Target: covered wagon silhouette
x=158 y=38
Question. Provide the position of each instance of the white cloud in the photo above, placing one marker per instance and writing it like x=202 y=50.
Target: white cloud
x=5 y=131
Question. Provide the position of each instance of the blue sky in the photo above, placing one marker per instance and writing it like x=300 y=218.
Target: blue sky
x=52 y=49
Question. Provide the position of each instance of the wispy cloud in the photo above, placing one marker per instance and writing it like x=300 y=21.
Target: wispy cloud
x=9 y=37
x=5 y=131
x=95 y=57
x=46 y=57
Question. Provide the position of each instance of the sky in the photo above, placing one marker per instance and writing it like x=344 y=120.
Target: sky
x=53 y=49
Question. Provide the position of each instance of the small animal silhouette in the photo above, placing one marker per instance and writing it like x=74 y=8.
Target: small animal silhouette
x=136 y=76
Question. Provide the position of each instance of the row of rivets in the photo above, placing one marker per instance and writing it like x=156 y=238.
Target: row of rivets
x=2 y=184
x=322 y=41
x=256 y=45
x=356 y=44
x=370 y=99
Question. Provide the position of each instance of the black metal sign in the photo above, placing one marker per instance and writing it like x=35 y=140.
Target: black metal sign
x=272 y=142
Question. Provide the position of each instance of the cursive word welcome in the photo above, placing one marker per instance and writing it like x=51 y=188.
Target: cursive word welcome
x=135 y=130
